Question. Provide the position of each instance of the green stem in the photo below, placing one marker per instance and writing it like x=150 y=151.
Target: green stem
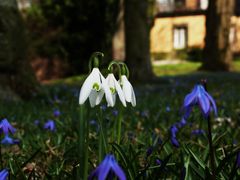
x=119 y=126
x=102 y=139
x=82 y=141
x=211 y=149
x=86 y=151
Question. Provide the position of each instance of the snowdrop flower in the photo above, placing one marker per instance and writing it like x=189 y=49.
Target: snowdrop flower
x=94 y=87
x=115 y=89
x=128 y=90
x=108 y=165
x=199 y=96
x=3 y=174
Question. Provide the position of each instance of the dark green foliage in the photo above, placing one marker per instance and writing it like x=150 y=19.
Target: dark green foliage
x=72 y=29
x=55 y=153
x=15 y=71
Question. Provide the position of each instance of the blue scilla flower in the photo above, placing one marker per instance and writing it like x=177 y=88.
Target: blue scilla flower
x=149 y=151
x=6 y=127
x=197 y=132
x=9 y=141
x=174 y=142
x=50 y=125
x=36 y=122
x=115 y=112
x=56 y=113
x=168 y=109
x=173 y=132
x=3 y=174
x=108 y=165
x=199 y=96
x=238 y=160
x=182 y=123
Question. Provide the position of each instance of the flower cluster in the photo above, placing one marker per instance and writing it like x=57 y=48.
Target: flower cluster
x=96 y=86
x=6 y=128
x=199 y=96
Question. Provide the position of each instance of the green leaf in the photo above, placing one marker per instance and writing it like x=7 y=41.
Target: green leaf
x=218 y=138
x=225 y=161
x=125 y=159
x=197 y=170
x=195 y=157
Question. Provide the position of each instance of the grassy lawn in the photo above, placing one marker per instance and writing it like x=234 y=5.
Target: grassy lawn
x=145 y=136
x=184 y=68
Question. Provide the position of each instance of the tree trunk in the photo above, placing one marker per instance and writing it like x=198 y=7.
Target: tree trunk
x=217 y=51
x=137 y=40
x=15 y=71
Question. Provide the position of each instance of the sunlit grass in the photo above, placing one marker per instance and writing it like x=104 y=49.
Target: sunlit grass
x=176 y=69
x=184 y=68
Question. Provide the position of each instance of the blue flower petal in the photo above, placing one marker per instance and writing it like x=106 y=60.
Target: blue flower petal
x=190 y=99
x=175 y=142
x=238 y=160
x=105 y=167
x=213 y=103
x=118 y=170
x=203 y=101
x=3 y=174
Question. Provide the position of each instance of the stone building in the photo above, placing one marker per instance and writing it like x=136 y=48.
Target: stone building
x=179 y=25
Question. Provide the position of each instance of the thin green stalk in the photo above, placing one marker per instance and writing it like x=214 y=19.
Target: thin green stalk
x=82 y=141
x=86 y=151
x=119 y=126
x=211 y=149
x=102 y=139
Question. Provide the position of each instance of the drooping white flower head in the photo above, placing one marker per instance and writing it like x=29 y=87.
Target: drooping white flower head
x=94 y=87
x=128 y=90
x=115 y=88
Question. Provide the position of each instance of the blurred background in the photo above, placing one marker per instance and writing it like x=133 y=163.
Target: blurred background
x=43 y=40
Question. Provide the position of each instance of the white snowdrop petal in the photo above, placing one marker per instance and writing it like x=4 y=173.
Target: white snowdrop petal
x=92 y=98
x=107 y=91
x=126 y=88
x=120 y=92
x=133 y=102
x=86 y=88
x=99 y=97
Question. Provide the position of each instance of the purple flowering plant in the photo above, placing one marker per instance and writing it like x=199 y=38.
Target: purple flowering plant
x=200 y=97
x=50 y=125
x=108 y=165
x=6 y=127
x=4 y=174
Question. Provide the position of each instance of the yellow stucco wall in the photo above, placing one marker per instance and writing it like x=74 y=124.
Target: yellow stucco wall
x=236 y=44
x=161 y=35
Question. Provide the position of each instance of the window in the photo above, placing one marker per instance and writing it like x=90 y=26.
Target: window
x=232 y=34
x=180 y=37
x=203 y=4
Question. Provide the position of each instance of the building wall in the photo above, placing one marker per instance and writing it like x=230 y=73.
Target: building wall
x=161 y=35
x=190 y=4
x=236 y=34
